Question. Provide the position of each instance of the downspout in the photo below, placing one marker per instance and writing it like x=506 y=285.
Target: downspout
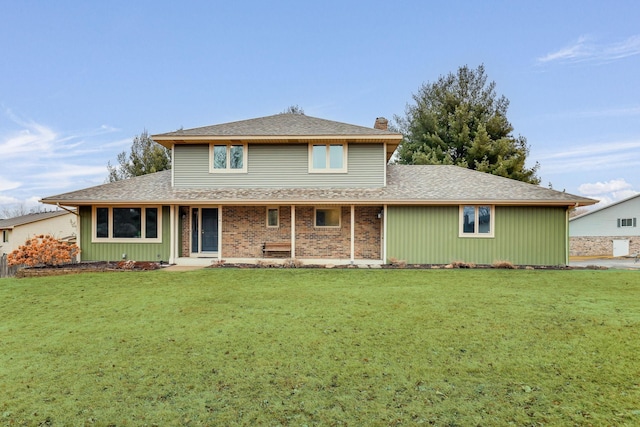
x=567 y=237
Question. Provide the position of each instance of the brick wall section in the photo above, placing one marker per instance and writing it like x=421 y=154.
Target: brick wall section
x=244 y=230
x=312 y=242
x=368 y=232
x=600 y=245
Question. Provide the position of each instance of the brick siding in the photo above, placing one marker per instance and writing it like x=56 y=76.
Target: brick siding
x=244 y=231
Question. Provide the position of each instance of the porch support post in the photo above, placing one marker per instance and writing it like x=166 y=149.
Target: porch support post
x=172 y=234
x=384 y=234
x=353 y=234
x=220 y=233
x=293 y=231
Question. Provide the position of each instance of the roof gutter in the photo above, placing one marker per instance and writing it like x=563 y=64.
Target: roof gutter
x=320 y=201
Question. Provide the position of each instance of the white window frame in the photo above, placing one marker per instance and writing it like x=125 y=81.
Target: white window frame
x=111 y=239
x=327 y=169
x=227 y=169
x=627 y=222
x=476 y=233
x=277 y=209
x=315 y=216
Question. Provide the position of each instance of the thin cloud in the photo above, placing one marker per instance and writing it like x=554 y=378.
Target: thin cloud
x=607 y=192
x=594 y=150
x=50 y=161
x=598 y=188
x=6 y=184
x=601 y=156
x=583 y=50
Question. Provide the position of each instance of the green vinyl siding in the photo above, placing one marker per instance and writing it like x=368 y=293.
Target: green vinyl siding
x=523 y=236
x=279 y=165
x=112 y=251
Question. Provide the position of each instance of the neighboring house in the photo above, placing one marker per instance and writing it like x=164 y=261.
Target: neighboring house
x=318 y=191
x=613 y=230
x=14 y=232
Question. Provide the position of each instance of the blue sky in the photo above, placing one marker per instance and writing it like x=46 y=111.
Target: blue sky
x=80 y=79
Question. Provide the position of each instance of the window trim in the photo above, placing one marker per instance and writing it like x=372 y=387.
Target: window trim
x=277 y=209
x=476 y=234
x=627 y=222
x=227 y=169
x=143 y=228
x=315 y=217
x=345 y=155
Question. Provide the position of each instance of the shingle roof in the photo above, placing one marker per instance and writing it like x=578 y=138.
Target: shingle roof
x=406 y=184
x=28 y=219
x=279 y=124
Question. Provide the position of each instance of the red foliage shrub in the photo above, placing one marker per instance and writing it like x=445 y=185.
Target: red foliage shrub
x=43 y=250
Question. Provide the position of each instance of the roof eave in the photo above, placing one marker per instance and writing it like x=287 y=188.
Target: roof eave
x=169 y=140
x=320 y=201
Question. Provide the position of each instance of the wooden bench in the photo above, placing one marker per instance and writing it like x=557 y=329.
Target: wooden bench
x=276 y=247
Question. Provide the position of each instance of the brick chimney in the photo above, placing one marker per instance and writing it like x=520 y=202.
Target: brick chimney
x=381 y=123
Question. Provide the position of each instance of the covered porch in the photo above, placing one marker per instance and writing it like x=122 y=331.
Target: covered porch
x=310 y=234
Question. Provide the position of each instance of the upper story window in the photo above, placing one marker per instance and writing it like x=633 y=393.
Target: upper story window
x=127 y=224
x=626 y=222
x=476 y=221
x=5 y=236
x=328 y=158
x=228 y=158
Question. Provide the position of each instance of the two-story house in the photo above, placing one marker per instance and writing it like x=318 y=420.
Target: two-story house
x=318 y=191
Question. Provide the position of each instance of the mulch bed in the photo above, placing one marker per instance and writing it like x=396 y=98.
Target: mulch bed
x=86 y=267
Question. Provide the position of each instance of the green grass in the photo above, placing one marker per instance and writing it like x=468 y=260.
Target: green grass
x=321 y=347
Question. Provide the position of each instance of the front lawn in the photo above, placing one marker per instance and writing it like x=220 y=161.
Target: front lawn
x=321 y=347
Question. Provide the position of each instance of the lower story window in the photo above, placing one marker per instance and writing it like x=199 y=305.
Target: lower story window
x=126 y=223
x=273 y=217
x=327 y=217
x=476 y=221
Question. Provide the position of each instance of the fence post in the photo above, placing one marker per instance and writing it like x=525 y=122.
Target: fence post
x=5 y=270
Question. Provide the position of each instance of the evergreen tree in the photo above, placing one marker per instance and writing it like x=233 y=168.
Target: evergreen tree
x=459 y=120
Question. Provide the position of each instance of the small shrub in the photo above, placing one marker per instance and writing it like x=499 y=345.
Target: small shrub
x=503 y=264
x=266 y=264
x=400 y=263
x=43 y=250
x=462 y=264
x=292 y=263
x=126 y=265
